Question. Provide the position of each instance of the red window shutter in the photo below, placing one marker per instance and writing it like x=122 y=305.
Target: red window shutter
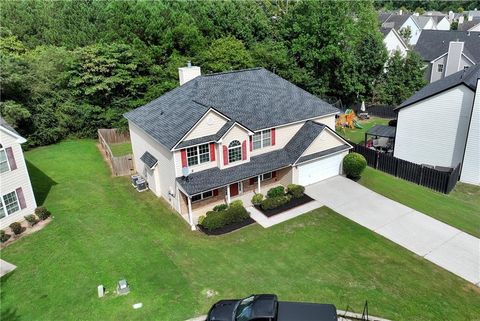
x=273 y=136
x=274 y=174
x=244 y=150
x=184 y=157
x=215 y=192
x=11 y=158
x=251 y=143
x=225 y=155
x=252 y=181
x=21 y=198
x=212 y=152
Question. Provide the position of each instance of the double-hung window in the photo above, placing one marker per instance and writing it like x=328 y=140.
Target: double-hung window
x=262 y=139
x=201 y=196
x=4 y=166
x=10 y=203
x=2 y=209
x=264 y=177
x=440 y=68
x=234 y=151
x=198 y=154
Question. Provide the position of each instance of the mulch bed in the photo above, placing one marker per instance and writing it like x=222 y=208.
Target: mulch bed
x=228 y=228
x=292 y=204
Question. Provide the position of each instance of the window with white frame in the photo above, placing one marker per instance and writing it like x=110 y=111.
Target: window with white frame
x=202 y=196
x=198 y=154
x=440 y=68
x=262 y=139
x=10 y=202
x=234 y=151
x=4 y=166
x=2 y=209
x=264 y=177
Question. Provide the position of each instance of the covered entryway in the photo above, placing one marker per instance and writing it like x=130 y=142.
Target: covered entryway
x=320 y=169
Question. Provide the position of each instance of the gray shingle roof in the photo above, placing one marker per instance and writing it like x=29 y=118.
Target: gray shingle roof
x=149 y=160
x=468 y=24
x=382 y=131
x=433 y=43
x=323 y=153
x=207 y=139
x=215 y=177
x=7 y=126
x=466 y=77
x=421 y=20
x=255 y=98
x=394 y=20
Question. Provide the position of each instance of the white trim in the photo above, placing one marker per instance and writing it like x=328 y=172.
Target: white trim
x=299 y=121
x=19 y=138
x=196 y=124
x=261 y=139
x=399 y=38
x=198 y=154
x=202 y=197
x=6 y=158
x=463 y=54
x=249 y=132
x=320 y=157
x=5 y=205
x=438 y=57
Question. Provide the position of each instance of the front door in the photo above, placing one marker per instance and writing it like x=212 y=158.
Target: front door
x=234 y=189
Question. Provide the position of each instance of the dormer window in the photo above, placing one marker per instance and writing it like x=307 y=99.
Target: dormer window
x=234 y=151
x=262 y=139
x=198 y=154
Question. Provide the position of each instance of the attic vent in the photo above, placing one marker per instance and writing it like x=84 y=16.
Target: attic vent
x=161 y=112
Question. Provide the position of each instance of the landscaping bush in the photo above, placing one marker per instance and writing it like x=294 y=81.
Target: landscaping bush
x=42 y=213
x=297 y=191
x=234 y=213
x=354 y=164
x=220 y=207
x=16 y=228
x=31 y=219
x=276 y=192
x=4 y=236
x=274 y=202
x=257 y=199
x=201 y=218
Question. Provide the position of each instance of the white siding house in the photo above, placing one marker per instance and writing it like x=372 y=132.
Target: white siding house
x=16 y=194
x=439 y=125
x=394 y=42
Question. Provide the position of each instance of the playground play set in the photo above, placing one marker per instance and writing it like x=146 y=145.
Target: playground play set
x=349 y=119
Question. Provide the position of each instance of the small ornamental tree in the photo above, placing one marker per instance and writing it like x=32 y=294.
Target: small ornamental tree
x=354 y=164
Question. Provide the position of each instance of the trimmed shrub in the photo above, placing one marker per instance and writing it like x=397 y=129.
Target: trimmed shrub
x=4 y=236
x=201 y=219
x=297 y=191
x=274 y=202
x=354 y=164
x=16 y=228
x=218 y=219
x=220 y=207
x=42 y=213
x=31 y=219
x=276 y=192
x=257 y=199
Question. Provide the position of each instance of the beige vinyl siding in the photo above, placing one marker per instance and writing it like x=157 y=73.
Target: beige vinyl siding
x=324 y=141
x=284 y=134
x=210 y=124
x=235 y=133
x=11 y=180
x=471 y=161
x=433 y=131
x=195 y=168
x=161 y=179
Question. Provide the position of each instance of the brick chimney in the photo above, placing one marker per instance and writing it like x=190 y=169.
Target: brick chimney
x=186 y=74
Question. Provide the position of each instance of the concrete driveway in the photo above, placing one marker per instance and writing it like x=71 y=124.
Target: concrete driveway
x=442 y=244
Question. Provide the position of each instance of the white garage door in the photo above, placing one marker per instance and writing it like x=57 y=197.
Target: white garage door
x=320 y=169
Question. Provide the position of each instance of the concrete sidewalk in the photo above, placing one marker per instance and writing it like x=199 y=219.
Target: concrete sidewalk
x=442 y=244
x=279 y=218
x=6 y=267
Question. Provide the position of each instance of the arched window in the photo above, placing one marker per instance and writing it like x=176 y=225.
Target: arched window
x=234 y=151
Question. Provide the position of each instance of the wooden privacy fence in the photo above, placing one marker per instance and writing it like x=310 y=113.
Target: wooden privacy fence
x=120 y=165
x=439 y=179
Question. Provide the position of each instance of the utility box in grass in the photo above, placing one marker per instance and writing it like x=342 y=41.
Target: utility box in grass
x=122 y=287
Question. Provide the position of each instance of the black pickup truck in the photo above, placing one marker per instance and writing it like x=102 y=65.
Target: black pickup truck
x=266 y=307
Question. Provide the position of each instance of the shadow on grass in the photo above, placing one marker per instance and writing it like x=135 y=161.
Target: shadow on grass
x=7 y=314
x=41 y=183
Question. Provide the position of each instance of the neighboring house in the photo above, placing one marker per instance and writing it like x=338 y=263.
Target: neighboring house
x=440 y=125
x=400 y=22
x=446 y=52
x=16 y=194
x=393 y=42
x=220 y=136
x=441 y=22
x=472 y=25
x=424 y=22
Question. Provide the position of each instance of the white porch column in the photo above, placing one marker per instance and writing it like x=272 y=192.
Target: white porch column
x=259 y=190
x=228 y=194
x=190 y=214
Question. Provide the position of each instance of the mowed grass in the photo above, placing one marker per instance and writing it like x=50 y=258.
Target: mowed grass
x=357 y=135
x=121 y=149
x=460 y=208
x=104 y=231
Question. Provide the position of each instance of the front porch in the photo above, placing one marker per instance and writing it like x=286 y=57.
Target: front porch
x=191 y=208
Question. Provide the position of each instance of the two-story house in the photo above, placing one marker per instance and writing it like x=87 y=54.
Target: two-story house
x=220 y=136
x=16 y=194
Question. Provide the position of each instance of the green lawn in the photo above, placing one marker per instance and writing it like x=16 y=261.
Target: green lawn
x=460 y=208
x=121 y=149
x=357 y=135
x=104 y=231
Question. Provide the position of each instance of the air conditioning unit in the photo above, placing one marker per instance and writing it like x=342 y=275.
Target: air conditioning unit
x=141 y=185
x=135 y=178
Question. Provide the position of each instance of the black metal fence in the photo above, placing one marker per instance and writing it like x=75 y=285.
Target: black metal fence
x=439 y=179
x=383 y=111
